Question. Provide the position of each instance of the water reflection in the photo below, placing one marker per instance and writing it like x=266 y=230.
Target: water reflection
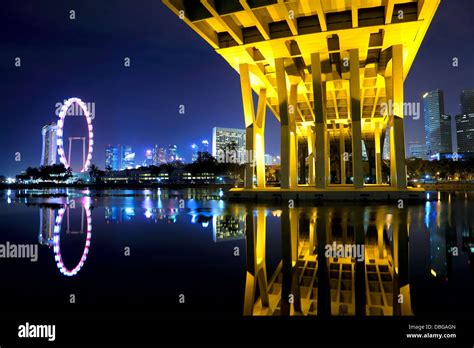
x=304 y=280
x=51 y=226
x=308 y=282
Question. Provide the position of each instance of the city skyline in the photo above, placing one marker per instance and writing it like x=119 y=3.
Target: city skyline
x=60 y=49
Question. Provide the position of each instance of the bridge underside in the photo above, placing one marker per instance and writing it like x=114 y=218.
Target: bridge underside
x=332 y=73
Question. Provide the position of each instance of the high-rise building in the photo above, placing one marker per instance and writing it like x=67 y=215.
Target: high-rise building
x=128 y=158
x=113 y=157
x=437 y=123
x=50 y=146
x=195 y=151
x=205 y=146
x=148 y=158
x=159 y=156
x=417 y=150
x=225 y=140
x=467 y=101
x=172 y=153
x=465 y=132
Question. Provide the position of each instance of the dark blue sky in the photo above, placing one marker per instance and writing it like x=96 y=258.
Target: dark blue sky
x=170 y=66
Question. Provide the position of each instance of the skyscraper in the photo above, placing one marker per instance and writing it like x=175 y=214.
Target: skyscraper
x=205 y=146
x=113 y=157
x=195 y=150
x=128 y=158
x=148 y=158
x=465 y=132
x=172 y=154
x=465 y=122
x=159 y=156
x=467 y=101
x=437 y=123
x=228 y=139
x=49 y=151
x=417 y=150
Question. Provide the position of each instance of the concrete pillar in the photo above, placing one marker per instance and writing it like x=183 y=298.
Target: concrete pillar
x=247 y=102
x=356 y=119
x=259 y=138
x=311 y=166
x=342 y=152
x=293 y=136
x=249 y=164
x=398 y=158
x=284 y=122
x=378 y=154
x=320 y=129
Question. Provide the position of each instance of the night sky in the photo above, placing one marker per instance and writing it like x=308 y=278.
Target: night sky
x=170 y=66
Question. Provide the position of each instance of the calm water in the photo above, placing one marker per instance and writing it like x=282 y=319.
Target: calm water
x=143 y=250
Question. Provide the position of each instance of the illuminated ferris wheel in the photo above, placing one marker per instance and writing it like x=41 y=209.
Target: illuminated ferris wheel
x=86 y=162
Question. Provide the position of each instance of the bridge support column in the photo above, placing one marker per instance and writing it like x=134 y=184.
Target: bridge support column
x=398 y=171
x=293 y=137
x=378 y=155
x=356 y=119
x=342 y=153
x=254 y=131
x=321 y=128
x=311 y=167
x=285 y=139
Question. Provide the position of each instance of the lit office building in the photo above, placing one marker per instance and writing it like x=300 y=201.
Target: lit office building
x=159 y=156
x=128 y=158
x=437 y=124
x=467 y=101
x=172 y=154
x=113 y=157
x=49 y=151
x=148 y=158
x=205 y=146
x=465 y=132
x=225 y=139
x=417 y=150
x=195 y=151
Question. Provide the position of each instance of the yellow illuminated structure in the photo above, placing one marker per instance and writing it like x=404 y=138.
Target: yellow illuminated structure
x=331 y=71
x=307 y=281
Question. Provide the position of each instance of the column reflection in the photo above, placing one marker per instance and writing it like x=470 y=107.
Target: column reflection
x=372 y=280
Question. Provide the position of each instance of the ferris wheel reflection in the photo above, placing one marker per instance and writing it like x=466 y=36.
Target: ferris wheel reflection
x=51 y=224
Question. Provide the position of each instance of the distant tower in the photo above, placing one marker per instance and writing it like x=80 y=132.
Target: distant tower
x=113 y=157
x=195 y=150
x=172 y=153
x=128 y=158
x=148 y=158
x=205 y=146
x=465 y=123
x=437 y=123
x=159 y=156
x=48 y=155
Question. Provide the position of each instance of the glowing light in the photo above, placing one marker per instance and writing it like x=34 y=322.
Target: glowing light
x=57 y=248
x=148 y=213
x=62 y=114
x=433 y=273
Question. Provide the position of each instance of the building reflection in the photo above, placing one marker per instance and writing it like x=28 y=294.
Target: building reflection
x=47 y=220
x=51 y=226
x=308 y=281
